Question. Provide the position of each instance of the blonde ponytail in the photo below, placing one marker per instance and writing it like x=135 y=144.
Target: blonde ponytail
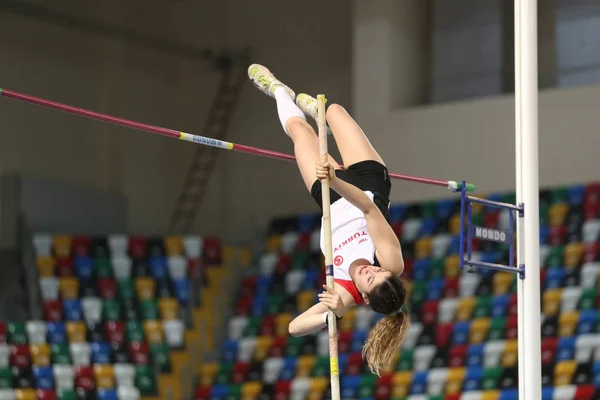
x=384 y=341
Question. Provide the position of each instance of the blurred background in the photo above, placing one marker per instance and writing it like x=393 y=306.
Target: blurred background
x=135 y=265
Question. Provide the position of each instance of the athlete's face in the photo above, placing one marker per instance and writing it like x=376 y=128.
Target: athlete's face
x=367 y=277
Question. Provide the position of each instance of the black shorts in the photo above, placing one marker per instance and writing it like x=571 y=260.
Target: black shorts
x=366 y=175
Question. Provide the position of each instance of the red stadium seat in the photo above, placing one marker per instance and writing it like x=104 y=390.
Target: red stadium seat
x=344 y=341
x=591 y=252
x=429 y=311
x=203 y=392
x=107 y=288
x=2 y=332
x=458 y=355
x=490 y=220
x=383 y=387
x=53 y=310
x=212 y=252
x=592 y=193
x=354 y=365
x=278 y=346
x=591 y=211
x=558 y=235
x=451 y=287
x=240 y=372
x=282 y=390
x=80 y=246
x=443 y=334
x=511 y=331
x=303 y=242
x=244 y=305
x=138 y=247
x=115 y=332
x=585 y=392
x=84 y=377
x=283 y=264
x=549 y=345
x=138 y=352
x=513 y=307
x=45 y=394
x=19 y=356
x=268 y=325
x=64 y=266
x=248 y=286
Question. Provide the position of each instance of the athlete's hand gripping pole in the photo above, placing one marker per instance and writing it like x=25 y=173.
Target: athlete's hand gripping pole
x=331 y=318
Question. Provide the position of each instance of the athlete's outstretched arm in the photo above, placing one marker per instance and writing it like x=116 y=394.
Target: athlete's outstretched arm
x=385 y=240
x=314 y=319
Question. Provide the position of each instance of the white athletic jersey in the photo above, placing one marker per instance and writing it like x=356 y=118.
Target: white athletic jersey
x=350 y=241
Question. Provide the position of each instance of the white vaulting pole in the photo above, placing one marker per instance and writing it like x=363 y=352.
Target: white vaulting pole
x=331 y=318
x=527 y=178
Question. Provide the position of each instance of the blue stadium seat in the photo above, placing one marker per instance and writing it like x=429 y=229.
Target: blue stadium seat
x=288 y=371
x=56 y=332
x=587 y=321
x=306 y=222
x=509 y=394
x=575 y=195
x=419 y=382
x=159 y=268
x=461 y=331
x=107 y=394
x=548 y=393
x=473 y=378
x=428 y=226
x=499 y=306
x=554 y=278
x=475 y=355
x=72 y=310
x=100 y=353
x=435 y=289
x=181 y=286
x=421 y=269
x=219 y=392
x=310 y=279
x=544 y=234
x=597 y=374
x=358 y=340
x=566 y=348
x=44 y=378
x=84 y=268
x=263 y=285
x=454 y=247
x=350 y=386
x=445 y=208
x=397 y=212
x=230 y=349
x=259 y=305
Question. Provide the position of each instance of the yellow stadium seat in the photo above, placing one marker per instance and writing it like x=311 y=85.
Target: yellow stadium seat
x=490 y=395
x=40 y=354
x=282 y=323
x=479 y=330
x=208 y=372
x=563 y=372
x=153 y=331
x=401 y=382
x=45 y=266
x=423 y=248
x=69 y=287
x=319 y=385
x=305 y=299
x=263 y=346
x=145 y=287
x=572 y=255
x=557 y=214
x=567 y=323
x=502 y=282
x=456 y=376
x=305 y=365
x=25 y=394
x=173 y=245
x=105 y=376
x=273 y=244
x=465 y=308
x=551 y=301
x=452 y=266
x=347 y=323
x=510 y=354
x=76 y=331
x=251 y=390
x=169 y=308
x=455 y=224
x=62 y=245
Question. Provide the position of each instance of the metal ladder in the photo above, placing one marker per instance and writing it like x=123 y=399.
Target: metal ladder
x=233 y=77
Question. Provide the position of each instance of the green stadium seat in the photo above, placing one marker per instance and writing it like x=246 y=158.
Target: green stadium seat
x=478 y=219
x=149 y=310
x=102 y=267
x=253 y=327
x=160 y=357
x=111 y=310
x=429 y=209
x=559 y=195
x=555 y=257
x=6 y=379
x=294 y=346
x=65 y=394
x=134 y=331
x=483 y=307
x=144 y=379
x=60 y=353
x=321 y=367
x=510 y=198
x=491 y=378
x=275 y=304
x=126 y=288
x=366 y=386
x=436 y=267
x=300 y=260
x=544 y=207
x=419 y=290
x=497 y=327
x=587 y=300
x=17 y=334
x=224 y=374
x=234 y=392
x=405 y=362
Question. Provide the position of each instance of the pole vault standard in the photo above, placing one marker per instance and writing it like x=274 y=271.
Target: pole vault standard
x=221 y=144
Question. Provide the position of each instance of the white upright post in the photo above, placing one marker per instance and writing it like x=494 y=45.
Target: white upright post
x=527 y=172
